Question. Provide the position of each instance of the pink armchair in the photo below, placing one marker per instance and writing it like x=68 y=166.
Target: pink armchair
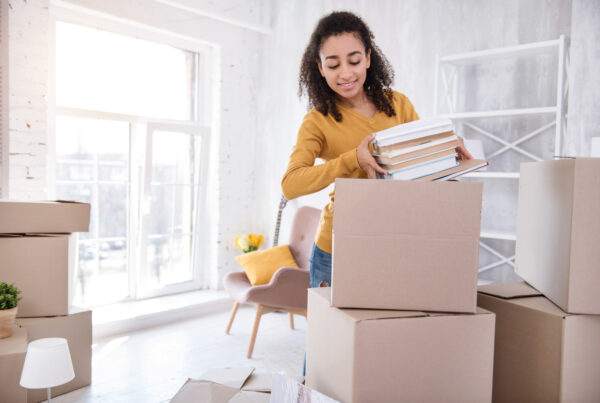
x=287 y=289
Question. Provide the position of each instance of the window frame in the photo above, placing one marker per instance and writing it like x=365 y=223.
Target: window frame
x=203 y=123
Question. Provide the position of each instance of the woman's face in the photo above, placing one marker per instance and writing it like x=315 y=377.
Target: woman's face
x=344 y=63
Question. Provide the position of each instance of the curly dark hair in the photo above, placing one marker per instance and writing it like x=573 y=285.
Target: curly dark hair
x=380 y=74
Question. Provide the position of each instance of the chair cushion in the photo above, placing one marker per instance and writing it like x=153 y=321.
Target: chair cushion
x=260 y=265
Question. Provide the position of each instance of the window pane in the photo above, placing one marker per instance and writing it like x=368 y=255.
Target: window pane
x=173 y=156
x=112 y=205
x=75 y=139
x=181 y=260
x=113 y=154
x=103 y=71
x=169 y=260
x=112 y=283
x=75 y=171
x=183 y=213
x=161 y=209
x=175 y=166
x=102 y=273
x=87 y=268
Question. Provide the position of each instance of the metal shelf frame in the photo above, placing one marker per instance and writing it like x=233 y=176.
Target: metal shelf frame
x=446 y=91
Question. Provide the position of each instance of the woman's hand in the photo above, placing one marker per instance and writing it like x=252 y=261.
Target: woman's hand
x=461 y=150
x=366 y=161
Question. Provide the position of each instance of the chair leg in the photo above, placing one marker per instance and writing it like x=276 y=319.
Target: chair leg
x=233 y=312
x=291 y=321
x=259 y=312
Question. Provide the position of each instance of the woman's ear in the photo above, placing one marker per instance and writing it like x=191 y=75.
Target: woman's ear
x=320 y=67
x=368 y=58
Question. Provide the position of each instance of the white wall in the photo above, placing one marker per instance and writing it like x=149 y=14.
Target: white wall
x=28 y=87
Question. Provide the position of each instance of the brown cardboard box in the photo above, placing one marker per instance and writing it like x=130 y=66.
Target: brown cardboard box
x=43 y=217
x=542 y=354
x=12 y=357
x=406 y=245
x=77 y=329
x=558 y=231
x=239 y=385
x=39 y=266
x=398 y=356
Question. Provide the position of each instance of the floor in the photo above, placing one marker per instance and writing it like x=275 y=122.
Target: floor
x=151 y=365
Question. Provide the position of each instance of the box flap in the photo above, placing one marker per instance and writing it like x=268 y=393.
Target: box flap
x=373 y=314
x=245 y=396
x=407 y=207
x=509 y=290
x=542 y=304
x=259 y=382
x=203 y=391
x=233 y=377
x=367 y=314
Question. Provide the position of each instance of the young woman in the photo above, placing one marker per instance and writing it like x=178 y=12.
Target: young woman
x=347 y=80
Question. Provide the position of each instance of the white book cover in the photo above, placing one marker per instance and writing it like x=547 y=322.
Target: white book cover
x=401 y=151
x=412 y=130
x=424 y=169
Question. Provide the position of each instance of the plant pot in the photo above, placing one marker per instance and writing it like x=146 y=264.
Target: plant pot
x=7 y=321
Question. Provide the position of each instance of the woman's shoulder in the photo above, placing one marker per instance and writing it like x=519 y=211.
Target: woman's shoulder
x=314 y=118
x=403 y=106
x=399 y=98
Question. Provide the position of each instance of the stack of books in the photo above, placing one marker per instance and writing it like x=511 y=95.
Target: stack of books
x=421 y=149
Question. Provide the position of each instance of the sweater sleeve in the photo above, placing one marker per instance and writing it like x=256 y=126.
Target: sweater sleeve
x=302 y=177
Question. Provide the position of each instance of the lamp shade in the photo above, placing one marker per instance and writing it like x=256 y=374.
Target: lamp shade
x=47 y=364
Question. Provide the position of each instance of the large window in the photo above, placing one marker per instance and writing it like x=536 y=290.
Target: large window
x=128 y=142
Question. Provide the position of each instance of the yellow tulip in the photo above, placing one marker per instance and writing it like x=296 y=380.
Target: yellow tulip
x=242 y=242
x=255 y=240
x=249 y=242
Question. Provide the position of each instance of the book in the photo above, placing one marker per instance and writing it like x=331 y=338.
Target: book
x=412 y=130
x=463 y=167
x=416 y=151
x=424 y=169
x=413 y=142
x=419 y=159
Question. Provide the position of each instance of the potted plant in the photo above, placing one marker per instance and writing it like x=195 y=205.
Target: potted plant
x=9 y=297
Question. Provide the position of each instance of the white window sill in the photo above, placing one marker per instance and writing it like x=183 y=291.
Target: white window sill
x=130 y=316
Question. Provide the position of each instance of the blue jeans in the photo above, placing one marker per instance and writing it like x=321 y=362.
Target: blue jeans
x=320 y=267
x=320 y=271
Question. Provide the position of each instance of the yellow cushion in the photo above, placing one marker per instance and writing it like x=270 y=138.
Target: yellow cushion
x=261 y=265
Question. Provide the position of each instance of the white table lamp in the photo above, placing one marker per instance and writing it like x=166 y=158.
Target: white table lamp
x=47 y=364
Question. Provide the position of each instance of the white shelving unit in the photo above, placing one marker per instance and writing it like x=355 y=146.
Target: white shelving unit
x=445 y=104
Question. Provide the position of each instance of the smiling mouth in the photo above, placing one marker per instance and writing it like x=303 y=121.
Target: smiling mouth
x=347 y=85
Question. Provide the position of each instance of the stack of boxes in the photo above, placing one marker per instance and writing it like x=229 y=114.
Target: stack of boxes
x=400 y=321
x=548 y=341
x=36 y=252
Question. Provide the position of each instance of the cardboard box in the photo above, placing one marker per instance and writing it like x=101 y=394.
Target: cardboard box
x=77 y=329
x=542 y=354
x=226 y=385
x=12 y=357
x=406 y=245
x=558 y=231
x=43 y=217
x=398 y=356
x=39 y=266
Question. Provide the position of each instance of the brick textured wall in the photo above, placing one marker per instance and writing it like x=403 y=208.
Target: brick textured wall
x=28 y=86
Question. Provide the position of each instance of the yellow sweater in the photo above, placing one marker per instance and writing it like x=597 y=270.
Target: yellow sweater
x=334 y=142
